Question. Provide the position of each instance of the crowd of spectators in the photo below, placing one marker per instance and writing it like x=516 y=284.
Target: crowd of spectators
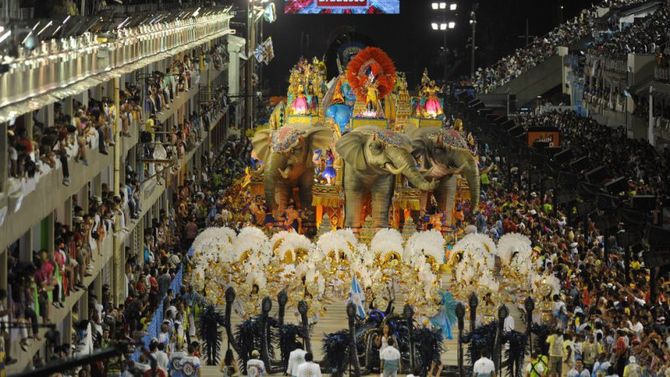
x=643 y=166
x=603 y=321
x=541 y=48
x=39 y=286
x=647 y=36
x=36 y=150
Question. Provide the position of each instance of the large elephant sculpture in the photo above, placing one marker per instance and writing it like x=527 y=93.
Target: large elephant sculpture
x=287 y=156
x=444 y=154
x=373 y=157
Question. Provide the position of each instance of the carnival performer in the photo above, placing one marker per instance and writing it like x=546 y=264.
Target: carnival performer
x=372 y=103
x=329 y=172
x=446 y=316
x=300 y=106
x=433 y=107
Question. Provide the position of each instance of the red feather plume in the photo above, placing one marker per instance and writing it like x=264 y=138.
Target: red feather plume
x=382 y=67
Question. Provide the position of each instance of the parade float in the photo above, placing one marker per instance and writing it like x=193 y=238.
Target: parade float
x=364 y=186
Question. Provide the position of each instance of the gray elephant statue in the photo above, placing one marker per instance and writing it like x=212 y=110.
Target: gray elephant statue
x=287 y=155
x=373 y=157
x=444 y=155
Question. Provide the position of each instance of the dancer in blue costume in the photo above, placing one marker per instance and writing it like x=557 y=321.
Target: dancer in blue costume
x=446 y=316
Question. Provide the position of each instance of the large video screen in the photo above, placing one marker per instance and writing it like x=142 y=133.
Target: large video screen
x=341 y=6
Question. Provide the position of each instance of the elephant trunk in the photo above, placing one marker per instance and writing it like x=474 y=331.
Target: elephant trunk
x=405 y=164
x=285 y=173
x=470 y=172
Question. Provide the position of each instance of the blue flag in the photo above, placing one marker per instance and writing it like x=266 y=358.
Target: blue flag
x=357 y=297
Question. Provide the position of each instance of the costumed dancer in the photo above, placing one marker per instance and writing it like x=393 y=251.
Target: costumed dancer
x=433 y=107
x=447 y=315
x=329 y=172
x=300 y=106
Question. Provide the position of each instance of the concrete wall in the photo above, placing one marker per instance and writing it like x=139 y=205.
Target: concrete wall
x=534 y=82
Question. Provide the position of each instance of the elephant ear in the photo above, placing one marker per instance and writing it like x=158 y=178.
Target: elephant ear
x=320 y=137
x=261 y=144
x=421 y=139
x=351 y=148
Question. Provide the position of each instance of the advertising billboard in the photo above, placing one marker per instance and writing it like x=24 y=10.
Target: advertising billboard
x=341 y=6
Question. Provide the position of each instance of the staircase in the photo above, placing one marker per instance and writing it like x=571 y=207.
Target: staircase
x=335 y=319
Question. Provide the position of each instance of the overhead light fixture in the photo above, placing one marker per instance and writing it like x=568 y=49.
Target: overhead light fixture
x=453 y=6
x=452 y=25
x=443 y=26
x=5 y=35
x=434 y=25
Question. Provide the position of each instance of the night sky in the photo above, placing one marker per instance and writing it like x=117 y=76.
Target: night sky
x=408 y=38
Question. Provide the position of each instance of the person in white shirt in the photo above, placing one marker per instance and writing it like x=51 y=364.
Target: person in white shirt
x=309 y=368
x=255 y=366
x=508 y=325
x=483 y=367
x=295 y=359
x=161 y=357
x=578 y=370
x=390 y=359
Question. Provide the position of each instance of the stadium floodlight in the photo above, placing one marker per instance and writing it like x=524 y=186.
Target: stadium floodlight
x=443 y=5
x=435 y=26
x=453 y=6
x=435 y=6
x=443 y=26
x=5 y=35
x=452 y=25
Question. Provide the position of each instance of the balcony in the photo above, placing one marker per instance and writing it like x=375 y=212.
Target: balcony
x=50 y=72
x=37 y=197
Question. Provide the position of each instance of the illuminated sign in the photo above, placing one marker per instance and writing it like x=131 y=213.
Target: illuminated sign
x=549 y=136
x=341 y=6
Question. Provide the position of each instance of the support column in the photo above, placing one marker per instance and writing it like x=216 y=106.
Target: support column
x=65 y=335
x=29 y=123
x=26 y=246
x=3 y=267
x=652 y=122
x=4 y=161
x=118 y=266
x=67 y=220
x=50 y=224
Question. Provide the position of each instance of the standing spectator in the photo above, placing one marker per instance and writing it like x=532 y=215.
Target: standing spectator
x=190 y=232
x=579 y=371
x=555 y=342
x=390 y=359
x=632 y=369
x=229 y=364
x=309 y=368
x=536 y=367
x=256 y=366
x=483 y=367
x=295 y=359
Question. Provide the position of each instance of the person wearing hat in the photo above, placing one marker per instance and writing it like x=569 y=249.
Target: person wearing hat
x=632 y=369
x=255 y=366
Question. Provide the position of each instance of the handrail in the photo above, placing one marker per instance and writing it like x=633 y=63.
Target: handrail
x=59 y=64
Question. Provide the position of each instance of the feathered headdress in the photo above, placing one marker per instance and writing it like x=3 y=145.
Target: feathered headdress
x=371 y=61
x=387 y=244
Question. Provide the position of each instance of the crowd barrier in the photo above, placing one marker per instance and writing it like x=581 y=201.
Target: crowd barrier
x=154 y=327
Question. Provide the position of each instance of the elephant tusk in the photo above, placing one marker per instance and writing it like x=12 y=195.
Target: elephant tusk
x=461 y=168
x=394 y=170
x=284 y=173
